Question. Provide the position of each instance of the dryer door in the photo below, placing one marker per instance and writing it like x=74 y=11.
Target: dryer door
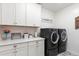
x=63 y=36
x=54 y=37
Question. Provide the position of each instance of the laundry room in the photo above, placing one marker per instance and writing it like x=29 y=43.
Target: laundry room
x=39 y=29
x=64 y=17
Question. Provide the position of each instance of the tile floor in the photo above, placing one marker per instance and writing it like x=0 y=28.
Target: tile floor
x=67 y=53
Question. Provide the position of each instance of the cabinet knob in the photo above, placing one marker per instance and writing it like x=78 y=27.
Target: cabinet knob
x=15 y=46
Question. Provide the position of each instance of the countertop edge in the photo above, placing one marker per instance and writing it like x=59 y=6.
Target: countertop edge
x=18 y=41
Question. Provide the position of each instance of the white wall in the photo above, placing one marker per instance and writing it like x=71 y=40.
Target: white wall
x=46 y=14
x=66 y=19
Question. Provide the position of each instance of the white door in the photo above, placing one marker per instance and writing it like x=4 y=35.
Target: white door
x=8 y=13
x=32 y=49
x=40 y=48
x=33 y=14
x=20 y=14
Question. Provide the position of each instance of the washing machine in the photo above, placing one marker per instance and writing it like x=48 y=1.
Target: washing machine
x=62 y=43
x=51 y=41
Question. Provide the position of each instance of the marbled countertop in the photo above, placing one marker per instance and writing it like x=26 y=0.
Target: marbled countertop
x=9 y=41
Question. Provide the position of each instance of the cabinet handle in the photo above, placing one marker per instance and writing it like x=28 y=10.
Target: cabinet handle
x=15 y=46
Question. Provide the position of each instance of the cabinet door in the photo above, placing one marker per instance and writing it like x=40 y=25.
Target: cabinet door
x=20 y=14
x=32 y=49
x=21 y=51
x=0 y=14
x=40 y=48
x=46 y=14
x=33 y=14
x=7 y=53
x=8 y=13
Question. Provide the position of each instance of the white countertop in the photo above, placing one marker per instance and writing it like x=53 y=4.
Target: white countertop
x=7 y=42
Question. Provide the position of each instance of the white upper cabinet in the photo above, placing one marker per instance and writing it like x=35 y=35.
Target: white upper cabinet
x=20 y=14
x=0 y=14
x=33 y=14
x=8 y=13
x=46 y=14
x=13 y=14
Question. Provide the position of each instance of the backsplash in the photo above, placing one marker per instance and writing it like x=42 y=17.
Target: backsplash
x=16 y=29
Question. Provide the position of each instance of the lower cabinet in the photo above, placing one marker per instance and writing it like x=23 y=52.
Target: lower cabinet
x=40 y=48
x=7 y=53
x=36 y=48
x=21 y=52
x=21 y=49
x=33 y=48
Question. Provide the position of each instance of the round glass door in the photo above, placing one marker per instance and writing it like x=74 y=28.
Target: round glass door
x=54 y=37
x=63 y=36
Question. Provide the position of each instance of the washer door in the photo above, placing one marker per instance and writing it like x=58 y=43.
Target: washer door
x=54 y=37
x=63 y=36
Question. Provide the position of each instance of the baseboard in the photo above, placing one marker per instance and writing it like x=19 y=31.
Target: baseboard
x=73 y=53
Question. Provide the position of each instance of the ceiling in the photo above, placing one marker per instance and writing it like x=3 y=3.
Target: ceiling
x=55 y=6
